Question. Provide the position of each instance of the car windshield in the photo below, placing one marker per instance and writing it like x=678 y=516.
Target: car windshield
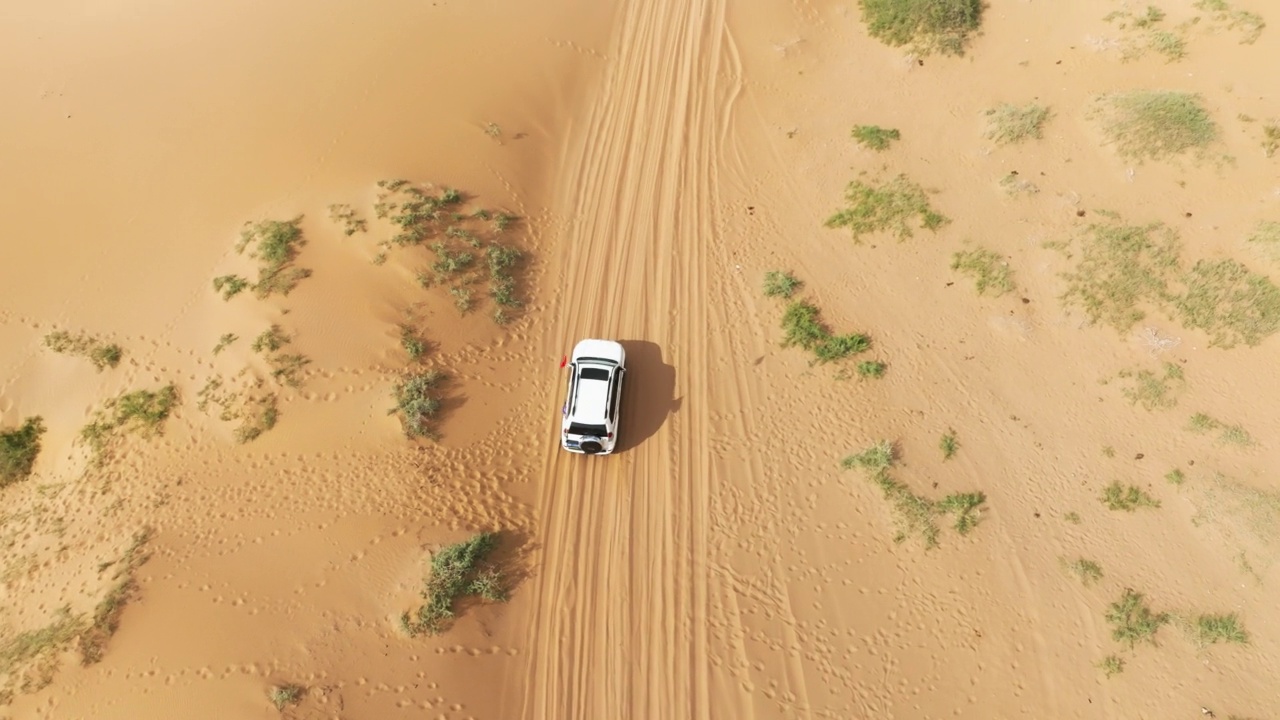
x=584 y=429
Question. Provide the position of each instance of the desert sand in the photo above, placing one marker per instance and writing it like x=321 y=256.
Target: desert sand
x=659 y=158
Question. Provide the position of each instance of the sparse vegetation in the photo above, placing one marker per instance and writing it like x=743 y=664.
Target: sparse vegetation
x=1210 y=629
x=1122 y=269
x=988 y=269
x=142 y=412
x=456 y=571
x=1111 y=665
x=417 y=402
x=916 y=515
x=886 y=207
x=1086 y=571
x=350 y=221
x=256 y=409
x=270 y=340
x=927 y=25
x=1155 y=124
x=1149 y=36
x=460 y=239
x=106 y=616
x=872 y=369
x=875 y=137
x=229 y=285
x=1008 y=123
x=1229 y=302
x=285 y=367
x=1227 y=434
x=1072 y=517
x=275 y=244
x=28 y=659
x=1155 y=392
x=802 y=327
x=780 y=284
x=1127 y=498
x=1175 y=477
x=282 y=696
x=102 y=354
x=949 y=445
x=412 y=343
x=1270 y=138
x=224 y=342
x=1132 y=621
x=19 y=449
x=1250 y=23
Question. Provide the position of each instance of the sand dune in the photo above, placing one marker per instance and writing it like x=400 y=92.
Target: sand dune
x=658 y=159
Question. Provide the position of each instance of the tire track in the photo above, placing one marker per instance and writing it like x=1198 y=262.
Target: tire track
x=620 y=621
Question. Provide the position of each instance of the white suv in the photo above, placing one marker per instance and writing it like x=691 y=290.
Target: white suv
x=590 y=424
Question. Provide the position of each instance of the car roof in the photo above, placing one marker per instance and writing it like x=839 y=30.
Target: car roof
x=601 y=349
x=591 y=401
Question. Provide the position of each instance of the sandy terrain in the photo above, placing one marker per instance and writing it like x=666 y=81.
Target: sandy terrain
x=661 y=157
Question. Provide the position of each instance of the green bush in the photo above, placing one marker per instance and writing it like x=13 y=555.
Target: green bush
x=276 y=245
x=1012 y=123
x=929 y=25
x=887 y=206
x=780 y=284
x=456 y=571
x=1132 y=621
x=875 y=137
x=989 y=270
x=1155 y=124
x=19 y=449
x=417 y=403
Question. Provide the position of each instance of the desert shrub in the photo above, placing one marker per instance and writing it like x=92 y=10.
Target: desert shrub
x=914 y=514
x=350 y=221
x=1226 y=628
x=1227 y=434
x=1155 y=124
x=417 y=402
x=875 y=137
x=778 y=283
x=886 y=206
x=271 y=340
x=928 y=25
x=801 y=326
x=1155 y=392
x=1008 y=123
x=275 y=244
x=282 y=696
x=1087 y=571
x=103 y=355
x=949 y=445
x=412 y=343
x=1127 y=498
x=229 y=285
x=456 y=571
x=989 y=270
x=872 y=369
x=1120 y=269
x=1132 y=621
x=1111 y=665
x=1229 y=302
x=142 y=412
x=19 y=449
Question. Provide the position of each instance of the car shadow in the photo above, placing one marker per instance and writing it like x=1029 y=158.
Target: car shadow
x=648 y=393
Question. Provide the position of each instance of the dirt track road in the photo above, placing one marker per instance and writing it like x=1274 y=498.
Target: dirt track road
x=620 y=622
